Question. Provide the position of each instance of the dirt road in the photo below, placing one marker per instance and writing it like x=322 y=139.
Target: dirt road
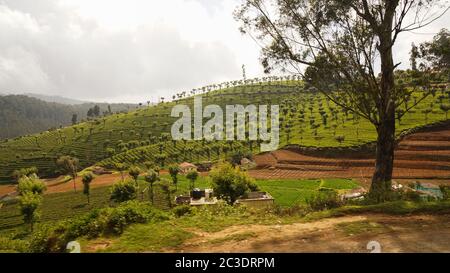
x=423 y=233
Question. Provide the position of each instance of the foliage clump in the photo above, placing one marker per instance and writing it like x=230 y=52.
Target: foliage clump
x=230 y=183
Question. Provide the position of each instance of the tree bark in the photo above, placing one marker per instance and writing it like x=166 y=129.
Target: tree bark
x=382 y=178
x=74 y=184
x=381 y=181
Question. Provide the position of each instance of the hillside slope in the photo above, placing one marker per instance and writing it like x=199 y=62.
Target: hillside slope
x=22 y=115
x=306 y=118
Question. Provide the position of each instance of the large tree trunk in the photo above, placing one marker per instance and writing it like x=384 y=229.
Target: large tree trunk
x=381 y=180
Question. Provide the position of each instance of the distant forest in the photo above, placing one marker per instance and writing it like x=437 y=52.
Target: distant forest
x=22 y=115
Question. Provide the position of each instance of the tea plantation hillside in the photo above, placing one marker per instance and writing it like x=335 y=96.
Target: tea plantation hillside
x=306 y=118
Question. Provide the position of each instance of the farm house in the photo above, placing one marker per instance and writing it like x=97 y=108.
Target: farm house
x=186 y=167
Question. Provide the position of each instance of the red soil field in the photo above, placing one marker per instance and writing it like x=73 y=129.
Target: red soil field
x=424 y=156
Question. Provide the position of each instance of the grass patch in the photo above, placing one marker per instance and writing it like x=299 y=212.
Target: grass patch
x=361 y=227
x=56 y=206
x=394 y=208
x=289 y=192
x=150 y=237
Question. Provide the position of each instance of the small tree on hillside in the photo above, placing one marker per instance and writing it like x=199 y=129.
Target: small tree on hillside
x=151 y=178
x=192 y=176
x=29 y=204
x=70 y=166
x=173 y=171
x=134 y=172
x=18 y=174
x=32 y=184
x=122 y=191
x=121 y=167
x=230 y=183
x=149 y=165
x=87 y=179
x=157 y=169
x=168 y=190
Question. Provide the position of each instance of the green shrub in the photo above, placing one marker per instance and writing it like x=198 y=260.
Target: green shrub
x=31 y=184
x=411 y=196
x=132 y=212
x=229 y=183
x=182 y=210
x=42 y=240
x=445 y=192
x=323 y=200
x=29 y=204
x=122 y=191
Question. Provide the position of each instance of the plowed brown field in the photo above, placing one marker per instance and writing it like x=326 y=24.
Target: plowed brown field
x=423 y=155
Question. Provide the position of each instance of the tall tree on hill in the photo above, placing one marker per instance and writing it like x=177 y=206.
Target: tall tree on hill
x=87 y=179
x=90 y=113
x=151 y=178
x=134 y=172
x=69 y=165
x=340 y=43
x=74 y=119
x=173 y=171
x=96 y=110
x=436 y=53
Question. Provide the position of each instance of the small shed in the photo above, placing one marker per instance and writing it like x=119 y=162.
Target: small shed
x=186 y=167
x=247 y=163
x=257 y=199
x=100 y=171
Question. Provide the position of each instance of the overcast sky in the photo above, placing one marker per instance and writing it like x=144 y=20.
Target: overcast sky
x=130 y=50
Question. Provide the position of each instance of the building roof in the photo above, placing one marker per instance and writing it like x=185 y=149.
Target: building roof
x=245 y=161
x=185 y=165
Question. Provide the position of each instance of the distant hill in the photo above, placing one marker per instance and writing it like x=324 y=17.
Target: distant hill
x=22 y=115
x=57 y=99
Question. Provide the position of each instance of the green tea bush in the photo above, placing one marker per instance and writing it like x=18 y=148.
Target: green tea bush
x=31 y=183
x=43 y=240
x=122 y=191
x=132 y=212
x=326 y=199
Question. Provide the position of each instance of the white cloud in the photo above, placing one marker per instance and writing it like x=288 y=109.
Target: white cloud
x=112 y=50
x=116 y=50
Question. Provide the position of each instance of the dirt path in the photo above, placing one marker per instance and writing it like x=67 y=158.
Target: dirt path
x=56 y=185
x=424 y=233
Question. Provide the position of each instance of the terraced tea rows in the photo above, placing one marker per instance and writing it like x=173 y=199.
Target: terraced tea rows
x=307 y=119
